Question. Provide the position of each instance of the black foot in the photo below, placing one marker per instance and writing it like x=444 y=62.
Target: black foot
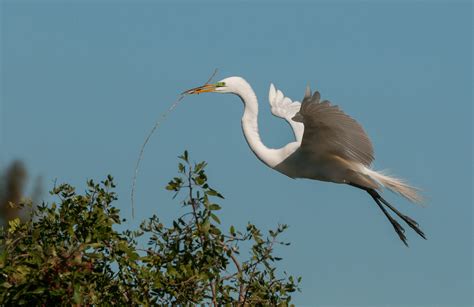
x=411 y=222
x=398 y=228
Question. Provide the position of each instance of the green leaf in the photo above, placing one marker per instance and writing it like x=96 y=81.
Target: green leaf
x=214 y=207
x=184 y=156
x=212 y=192
x=6 y=285
x=200 y=180
x=205 y=226
x=199 y=167
x=215 y=231
x=13 y=225
x=215 y=218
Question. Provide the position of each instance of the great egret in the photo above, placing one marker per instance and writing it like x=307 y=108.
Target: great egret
x=329 y=146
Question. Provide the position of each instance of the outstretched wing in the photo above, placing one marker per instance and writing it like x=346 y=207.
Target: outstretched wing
x=328 y=130
x=283 y=107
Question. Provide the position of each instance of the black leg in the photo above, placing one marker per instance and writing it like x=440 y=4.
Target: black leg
x=411 y=222
x=379 y=200
x=398 y=228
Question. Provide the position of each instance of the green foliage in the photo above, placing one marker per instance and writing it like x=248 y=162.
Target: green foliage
x=68 y=253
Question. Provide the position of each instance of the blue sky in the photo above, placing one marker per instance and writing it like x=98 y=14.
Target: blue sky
x=82 y=82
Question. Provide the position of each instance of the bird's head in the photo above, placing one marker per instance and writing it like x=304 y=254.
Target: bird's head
x=228 y=85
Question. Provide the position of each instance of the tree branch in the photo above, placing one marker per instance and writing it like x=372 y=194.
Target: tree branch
x=201 y=236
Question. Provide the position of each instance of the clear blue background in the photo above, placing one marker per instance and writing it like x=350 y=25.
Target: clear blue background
x=84 y=81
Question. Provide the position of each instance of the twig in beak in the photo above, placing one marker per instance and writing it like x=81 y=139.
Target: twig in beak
x=193 y=90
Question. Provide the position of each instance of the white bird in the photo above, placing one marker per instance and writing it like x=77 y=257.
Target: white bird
x=329 y=145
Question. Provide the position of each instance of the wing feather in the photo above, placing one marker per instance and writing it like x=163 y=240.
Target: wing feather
x=328 y=130
x=285 y=108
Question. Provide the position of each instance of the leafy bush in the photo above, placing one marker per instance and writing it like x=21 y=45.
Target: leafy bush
x=68 y=253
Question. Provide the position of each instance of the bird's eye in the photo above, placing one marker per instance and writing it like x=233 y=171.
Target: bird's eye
x=220 y=84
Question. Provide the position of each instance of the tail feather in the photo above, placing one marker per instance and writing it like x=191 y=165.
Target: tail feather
x=396 y=185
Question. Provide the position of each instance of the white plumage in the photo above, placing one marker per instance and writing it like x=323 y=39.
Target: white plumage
x=283 y=107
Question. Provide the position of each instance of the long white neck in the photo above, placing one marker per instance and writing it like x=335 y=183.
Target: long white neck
x=269 y=156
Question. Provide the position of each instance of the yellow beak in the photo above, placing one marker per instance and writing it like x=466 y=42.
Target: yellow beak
x=206 y=88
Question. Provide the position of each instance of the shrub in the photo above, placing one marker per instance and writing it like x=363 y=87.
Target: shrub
x=69 y=253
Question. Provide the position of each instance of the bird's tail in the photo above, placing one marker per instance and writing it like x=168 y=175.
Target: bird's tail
x=396 y=185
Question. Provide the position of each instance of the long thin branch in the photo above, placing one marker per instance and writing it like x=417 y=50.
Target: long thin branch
x=142 y=149
x=193 y=205
x=229 y=277
x=239 y=269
